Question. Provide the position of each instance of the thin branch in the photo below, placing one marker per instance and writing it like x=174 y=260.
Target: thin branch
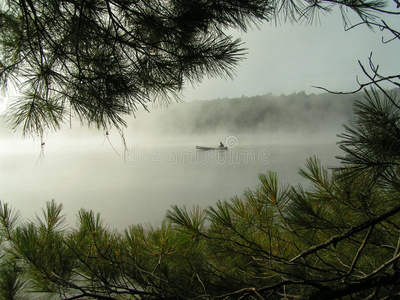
x=358 y=254
x=349 y=233
x=361 y=85
x=385 y=265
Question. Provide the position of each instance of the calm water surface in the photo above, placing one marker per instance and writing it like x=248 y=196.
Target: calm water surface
x=153 y=176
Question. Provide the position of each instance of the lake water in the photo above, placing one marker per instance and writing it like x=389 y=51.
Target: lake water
x=83 y=172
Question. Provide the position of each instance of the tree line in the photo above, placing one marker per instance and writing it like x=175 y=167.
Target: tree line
x=297 y=112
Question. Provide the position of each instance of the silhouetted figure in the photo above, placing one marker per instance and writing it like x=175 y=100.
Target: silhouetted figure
x=221 y=145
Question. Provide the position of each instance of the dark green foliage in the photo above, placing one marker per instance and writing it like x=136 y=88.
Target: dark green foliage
x=11 y=282
x=372 y=142
x=100 y=60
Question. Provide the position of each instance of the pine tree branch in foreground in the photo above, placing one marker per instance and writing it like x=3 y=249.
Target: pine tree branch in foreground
x=334 y=240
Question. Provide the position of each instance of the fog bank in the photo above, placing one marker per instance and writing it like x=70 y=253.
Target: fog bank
x=84 y=168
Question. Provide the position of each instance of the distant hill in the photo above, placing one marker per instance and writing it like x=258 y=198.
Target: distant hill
x=294 y=113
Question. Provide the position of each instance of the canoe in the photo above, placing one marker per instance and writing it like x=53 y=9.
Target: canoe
x=211 y=148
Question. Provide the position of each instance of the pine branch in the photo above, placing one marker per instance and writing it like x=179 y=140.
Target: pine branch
x=352 y=231
x=359 y=251
x=345 y=289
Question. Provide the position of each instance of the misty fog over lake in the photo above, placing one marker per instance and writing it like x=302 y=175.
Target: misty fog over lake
x=84 y=168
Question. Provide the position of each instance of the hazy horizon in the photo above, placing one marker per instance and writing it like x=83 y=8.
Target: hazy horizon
x=81 y=168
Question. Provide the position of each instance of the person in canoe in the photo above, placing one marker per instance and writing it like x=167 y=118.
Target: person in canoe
x=221 y=145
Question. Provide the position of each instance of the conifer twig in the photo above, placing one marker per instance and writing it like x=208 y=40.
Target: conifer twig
x=358 y=254
x=353 y=230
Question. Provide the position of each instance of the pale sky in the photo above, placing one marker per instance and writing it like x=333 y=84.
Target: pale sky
x=292 y=58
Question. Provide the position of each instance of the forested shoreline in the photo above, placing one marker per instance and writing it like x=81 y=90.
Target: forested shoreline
x=297 y=112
